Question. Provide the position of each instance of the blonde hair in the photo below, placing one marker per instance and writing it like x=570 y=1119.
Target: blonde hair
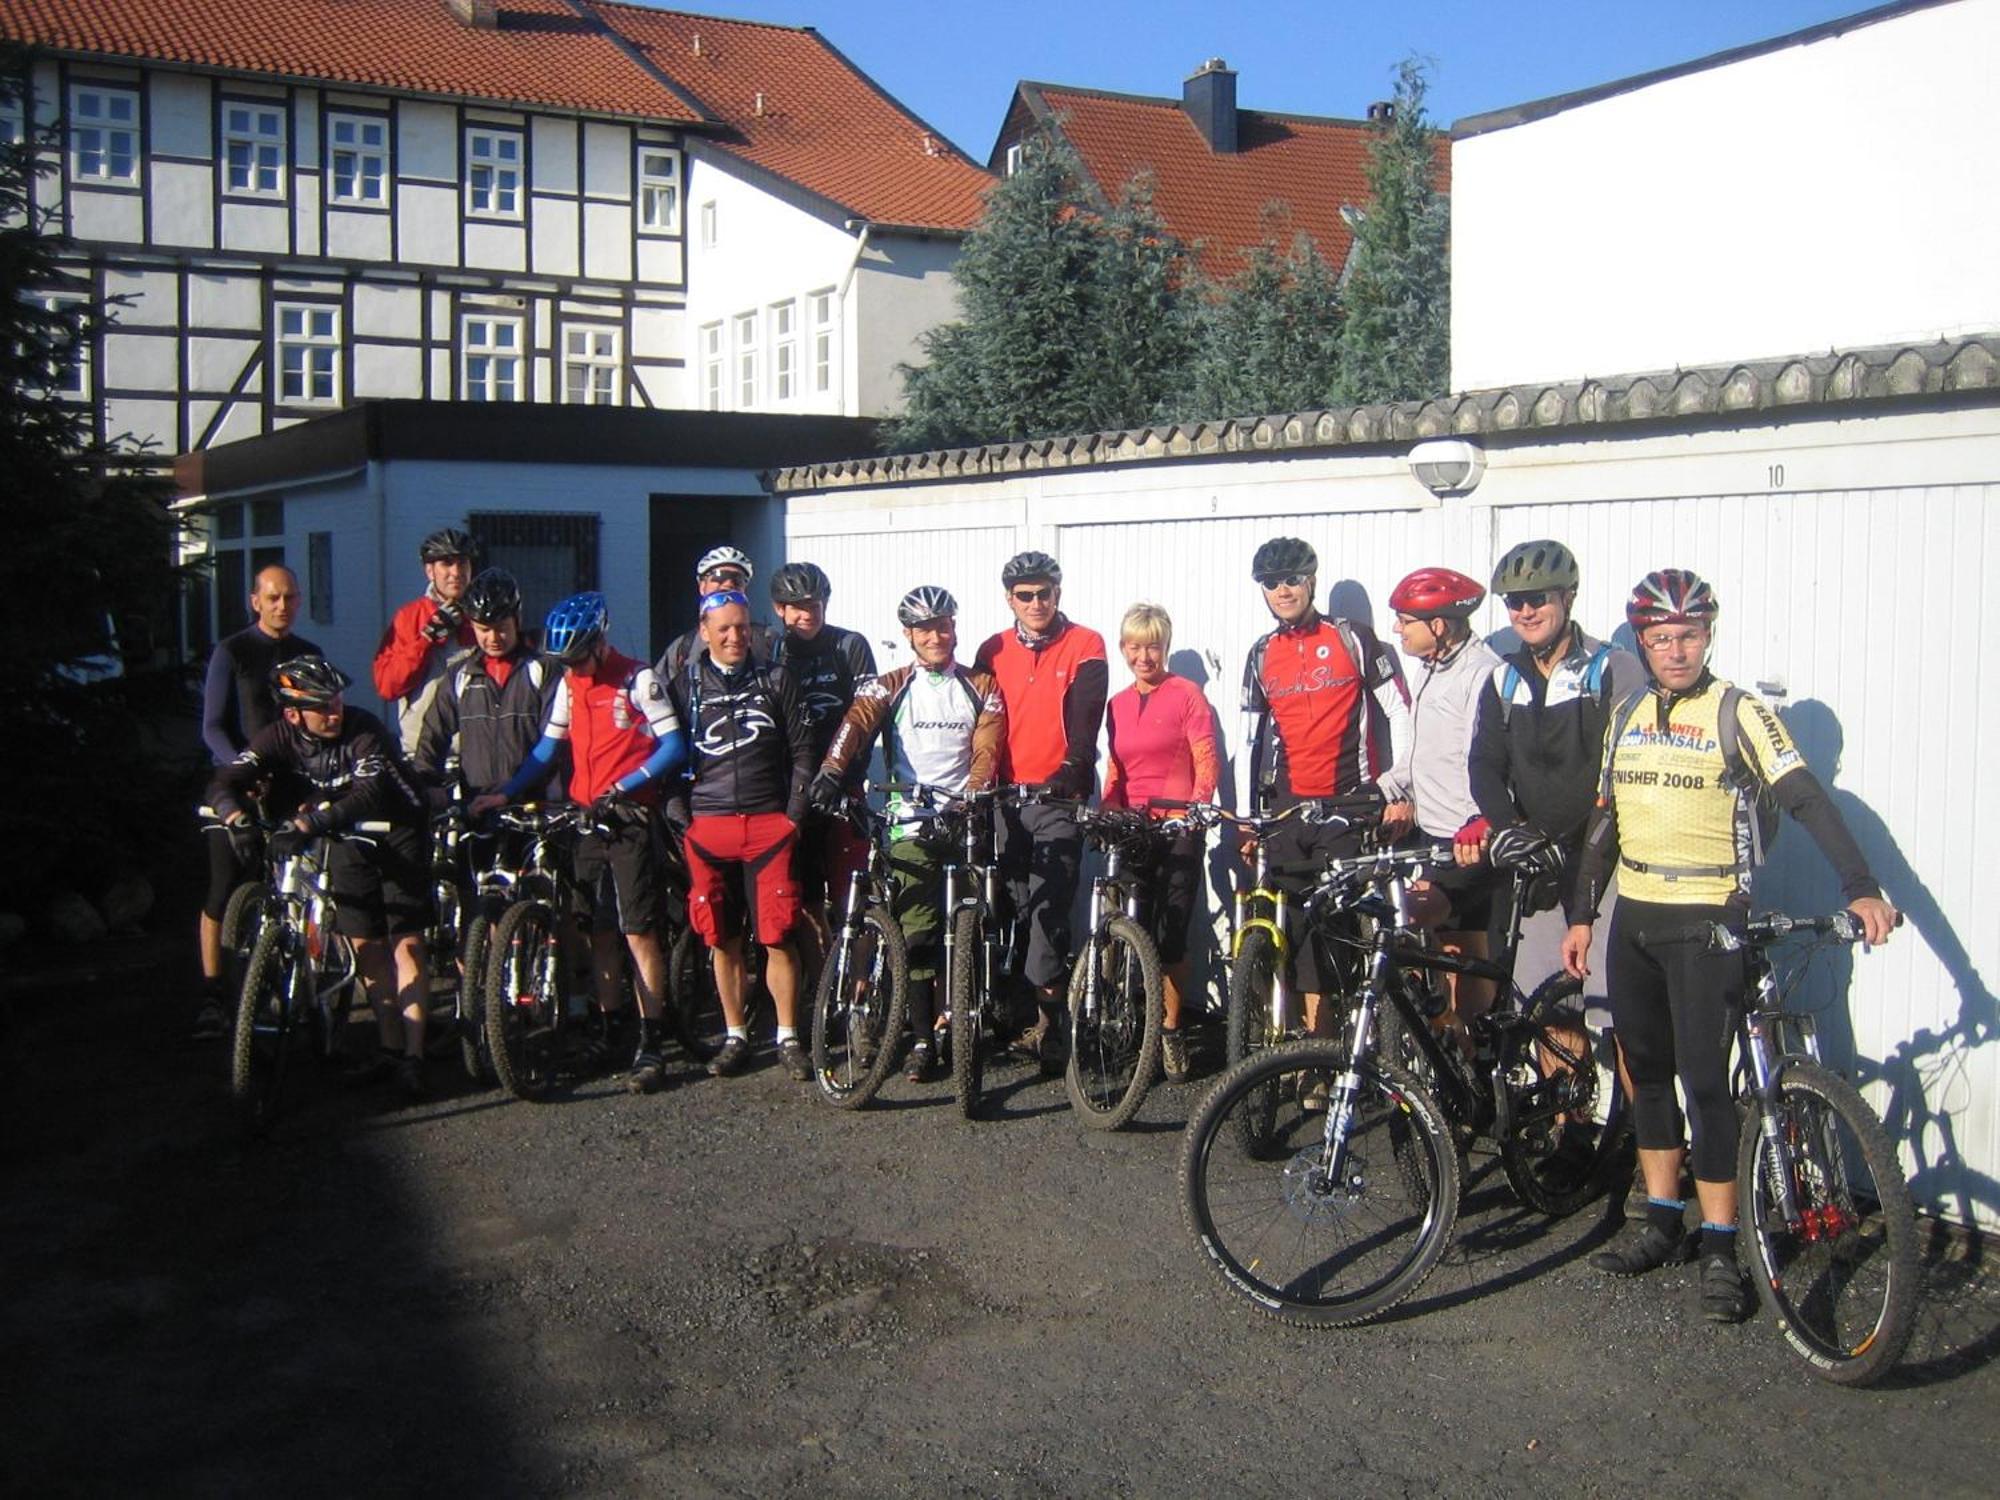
x=1148 y=625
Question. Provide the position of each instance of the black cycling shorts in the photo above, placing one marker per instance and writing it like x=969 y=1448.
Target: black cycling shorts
x=621 y=873
x=383 y=886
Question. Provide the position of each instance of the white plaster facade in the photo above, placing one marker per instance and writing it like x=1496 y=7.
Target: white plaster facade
x=1837 y=191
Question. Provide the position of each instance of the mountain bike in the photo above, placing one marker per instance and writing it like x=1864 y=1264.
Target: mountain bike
x=300 y=976
x=864 y=982
x=526 y=1008
x=1827 y=1223
x=243 y=913
x=1115 y=1004
x=979 y=944
x=1321 y=1177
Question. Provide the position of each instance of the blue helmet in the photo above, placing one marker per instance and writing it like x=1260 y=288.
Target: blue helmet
x=576 y=626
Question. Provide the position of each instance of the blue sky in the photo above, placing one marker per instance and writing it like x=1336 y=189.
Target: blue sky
x=956 y=63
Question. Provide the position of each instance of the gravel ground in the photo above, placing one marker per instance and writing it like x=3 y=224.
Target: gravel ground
x=727 y=1289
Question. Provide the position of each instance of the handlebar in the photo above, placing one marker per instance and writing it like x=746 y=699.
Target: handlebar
x=1765 y=929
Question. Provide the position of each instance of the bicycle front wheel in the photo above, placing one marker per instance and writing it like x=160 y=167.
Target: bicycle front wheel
x=1305 y=1235
x=962 y=997
x=1839 y=1277
x=858 y=1011
x=524 y=1000
x=1565 y=1132
x=263 y=1039
x=242 y=920
x=472 y=988
x=1250 y=1029
x=1115 y=1050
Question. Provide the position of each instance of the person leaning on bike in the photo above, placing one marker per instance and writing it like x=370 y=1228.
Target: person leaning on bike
x=1677 y=817
x=1327 y=714
x=750 y=761
x=1430 y=786
x=1539 y=741
x=826 y=664
x=615 y=717
x=236 y=704
x=1160 y=736
x=333 y=767
x=1053 y=677
x=942 y=727
x=427 y=635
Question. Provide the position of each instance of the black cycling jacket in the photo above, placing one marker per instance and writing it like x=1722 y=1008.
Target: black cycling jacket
x=360 y=775
x=495 y=727
x=750 y=749
x=826 y=670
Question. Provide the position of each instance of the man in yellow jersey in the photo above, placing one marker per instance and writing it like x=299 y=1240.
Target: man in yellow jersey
x=1685 y=760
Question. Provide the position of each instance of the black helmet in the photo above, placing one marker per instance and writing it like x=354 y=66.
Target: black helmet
x=796 y=583
x=1534 y=566
x=448 y=543
x=493 y=596
x=925 y=603
x=1282 y=556
x=307 y=682
x=1023 y=566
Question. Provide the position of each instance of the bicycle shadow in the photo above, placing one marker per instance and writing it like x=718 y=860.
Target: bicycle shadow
x=1926 y=1076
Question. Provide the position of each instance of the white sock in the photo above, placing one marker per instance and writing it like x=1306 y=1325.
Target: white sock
x=741 y=1033
x=786 y=1033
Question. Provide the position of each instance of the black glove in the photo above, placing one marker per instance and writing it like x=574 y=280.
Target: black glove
x=286 y=842
x=1072 y=782
x=445 y=623
x=613 y=810
x=826 y=794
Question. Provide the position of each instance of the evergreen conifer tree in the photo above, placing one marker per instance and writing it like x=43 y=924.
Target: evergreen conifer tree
x=1396 y=342
x=1269 y=337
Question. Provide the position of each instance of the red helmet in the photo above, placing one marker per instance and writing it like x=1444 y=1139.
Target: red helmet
x=1671 y=596
x=1437 y=592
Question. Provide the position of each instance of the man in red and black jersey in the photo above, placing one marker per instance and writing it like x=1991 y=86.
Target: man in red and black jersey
x=1053 y=678
x=1327 y=708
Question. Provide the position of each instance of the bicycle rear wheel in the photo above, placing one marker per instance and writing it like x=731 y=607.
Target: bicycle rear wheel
x=855 y=1024
x=263 y=1038
x=1839 y=1279
x=242 y=920
x=962 y=997
x=697 y=1003
x=1113 y=1054
x=1565 y=1131
x=524 y=1000
x=1301 y=1244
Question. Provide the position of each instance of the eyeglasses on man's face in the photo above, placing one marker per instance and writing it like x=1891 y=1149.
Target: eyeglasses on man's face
x=729 y=578
x=1672 y=642
x=1528 y=599
x=1035 y=596
x=1283 y=581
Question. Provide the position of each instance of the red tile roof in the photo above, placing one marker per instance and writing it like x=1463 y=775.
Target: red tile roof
x=825 y=126
x=1226 y=201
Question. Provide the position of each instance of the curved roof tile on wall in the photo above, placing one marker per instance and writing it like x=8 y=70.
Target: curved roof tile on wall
x=825 y=125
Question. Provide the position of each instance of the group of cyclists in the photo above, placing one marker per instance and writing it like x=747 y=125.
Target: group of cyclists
x=724 y=769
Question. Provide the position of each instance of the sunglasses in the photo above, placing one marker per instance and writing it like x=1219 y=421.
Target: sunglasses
x=730 y=577
x=1035 y=596
x=1532 y=600
x=1284 y=580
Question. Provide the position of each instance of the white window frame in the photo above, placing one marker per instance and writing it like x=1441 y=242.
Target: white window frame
x=712 y=363
x=748 y=365
x=659 y=198
x=253 y=149
x=358 y=159
x=306 y=340
x=494 y=163
x=97 y=127
x=75 y=383
x=824 y=313
x=711 y=231
x=591 y=351
x=1015 y=155
x=491 y=367
x=785 y=350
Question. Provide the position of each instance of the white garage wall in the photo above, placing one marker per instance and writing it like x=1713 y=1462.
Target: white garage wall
x=1829 y=602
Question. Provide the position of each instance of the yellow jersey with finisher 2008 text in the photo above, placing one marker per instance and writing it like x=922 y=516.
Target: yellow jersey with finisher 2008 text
x=1685 y=832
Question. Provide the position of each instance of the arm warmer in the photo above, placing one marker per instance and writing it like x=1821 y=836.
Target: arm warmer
x=1083 y=716
x=668 y=754
x=535 y=767
x=1799 y=793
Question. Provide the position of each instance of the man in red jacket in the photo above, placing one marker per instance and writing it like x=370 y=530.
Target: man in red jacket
x=427 y=636
x=1053 y=677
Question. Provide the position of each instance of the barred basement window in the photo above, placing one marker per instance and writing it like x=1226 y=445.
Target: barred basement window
x=551 y=556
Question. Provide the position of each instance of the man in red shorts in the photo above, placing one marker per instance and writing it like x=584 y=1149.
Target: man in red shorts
x=750 y=763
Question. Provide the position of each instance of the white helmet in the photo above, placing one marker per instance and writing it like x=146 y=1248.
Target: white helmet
x=723 y=557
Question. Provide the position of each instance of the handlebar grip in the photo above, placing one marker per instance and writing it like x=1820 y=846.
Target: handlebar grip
x=371 y=825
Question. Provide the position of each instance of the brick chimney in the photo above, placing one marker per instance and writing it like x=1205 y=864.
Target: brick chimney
x=481 y=15
x=1209 y=98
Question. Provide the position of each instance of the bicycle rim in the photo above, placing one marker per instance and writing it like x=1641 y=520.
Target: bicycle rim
x=1301 y=1244
x=1840 y=1278
x=1567 y=1134
x=858 y=1012
x=1114 y=1051
x=524 y=1005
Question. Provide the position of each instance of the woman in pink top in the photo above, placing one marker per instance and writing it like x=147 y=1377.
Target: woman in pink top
x=1163 y=745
